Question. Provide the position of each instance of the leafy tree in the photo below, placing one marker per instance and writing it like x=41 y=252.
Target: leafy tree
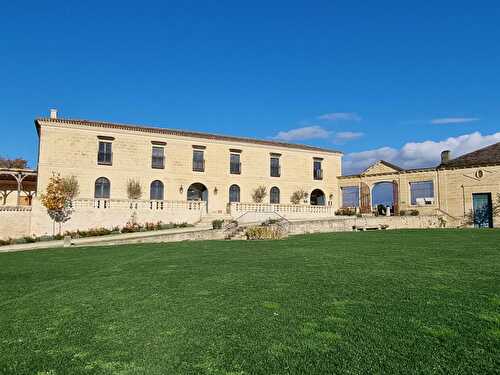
x=259 y=194
x=70 y=187
x=18 y=163
x=58 y=196
x=298 y=196
x=134 y=189
x=496 y=206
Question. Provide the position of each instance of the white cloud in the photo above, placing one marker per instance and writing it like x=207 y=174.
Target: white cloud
x=344 y=116
x=453 y=120
x=347 y=136
x=300 y=134
x=418 y=154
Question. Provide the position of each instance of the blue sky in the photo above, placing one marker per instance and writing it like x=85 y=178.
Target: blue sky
x=389 y=80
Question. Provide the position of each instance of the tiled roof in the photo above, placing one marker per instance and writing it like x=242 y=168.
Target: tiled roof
x=489 y=155
x=181 y=133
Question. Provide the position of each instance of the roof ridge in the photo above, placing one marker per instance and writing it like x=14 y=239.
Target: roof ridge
x=476 y=151
x=185 y=133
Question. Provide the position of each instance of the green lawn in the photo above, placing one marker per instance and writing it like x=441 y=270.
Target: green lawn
x=374 y=302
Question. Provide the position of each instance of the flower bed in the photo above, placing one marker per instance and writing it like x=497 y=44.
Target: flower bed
x=96 y=232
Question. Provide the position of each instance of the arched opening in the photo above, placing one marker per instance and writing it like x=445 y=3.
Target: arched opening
x=197 y=192
x=317 y=198
x=383 y=196
x=234 y=193
x=102 y=188
x=274 y=195
x=156 y=191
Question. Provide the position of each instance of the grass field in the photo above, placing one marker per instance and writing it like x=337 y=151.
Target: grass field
x=375 y=302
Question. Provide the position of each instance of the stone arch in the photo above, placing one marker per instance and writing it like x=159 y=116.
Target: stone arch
x=317 y=197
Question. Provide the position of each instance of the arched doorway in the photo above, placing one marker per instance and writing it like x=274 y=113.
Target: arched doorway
x=197 y=192
x=317 y=198
x=383 y=195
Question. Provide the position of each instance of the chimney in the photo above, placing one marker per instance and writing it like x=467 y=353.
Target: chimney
x=53 y=113
x=445 y=156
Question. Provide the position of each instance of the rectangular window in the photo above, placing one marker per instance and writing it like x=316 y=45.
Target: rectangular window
x=198 y=161
x=422 y=192
x=105 y=154
x=158 y=158
x=275 y=167
x=234 y=164
x=317 y=170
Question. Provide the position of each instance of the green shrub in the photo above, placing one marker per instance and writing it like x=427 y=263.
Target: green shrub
x=270 y=222
x=346 y=211
x=29 y=239
x=5 y=242
x=217 y=224
x=402 y=212
x=167 y=226
x=19 y=241
x=45 y=238
x=414 y=212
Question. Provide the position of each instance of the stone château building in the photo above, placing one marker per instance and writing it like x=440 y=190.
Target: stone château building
x=191 y=176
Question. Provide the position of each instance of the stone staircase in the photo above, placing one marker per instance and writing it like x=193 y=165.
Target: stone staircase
x=236 y=233
x=206 y=221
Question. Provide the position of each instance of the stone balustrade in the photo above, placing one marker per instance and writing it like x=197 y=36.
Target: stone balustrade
x=282 y=208
x=138 y=204
x=15 y=208
x=261 y=211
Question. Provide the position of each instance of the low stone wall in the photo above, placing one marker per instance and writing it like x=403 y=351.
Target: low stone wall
x=108 y=214
x=345 y=224
x=14 y=222
x=168 y=235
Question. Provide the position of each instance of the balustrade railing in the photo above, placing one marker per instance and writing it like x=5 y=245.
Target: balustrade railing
x=98 y=203
x=285 y=208
x=15 y=208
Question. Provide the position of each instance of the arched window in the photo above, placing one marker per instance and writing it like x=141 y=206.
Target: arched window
x=156 y=191
x=234 y=193
x=274 y=195
x=102 y=188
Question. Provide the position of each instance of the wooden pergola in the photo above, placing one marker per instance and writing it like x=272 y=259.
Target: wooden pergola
x=19 y=181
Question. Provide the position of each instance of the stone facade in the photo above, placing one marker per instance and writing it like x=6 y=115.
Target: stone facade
x=71 y=148
x=453 y=187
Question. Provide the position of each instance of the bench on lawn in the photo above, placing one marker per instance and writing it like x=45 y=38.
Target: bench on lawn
x=368 y=227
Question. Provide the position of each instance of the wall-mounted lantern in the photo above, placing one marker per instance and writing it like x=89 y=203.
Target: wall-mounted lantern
x=216 y=190
x=181 y=189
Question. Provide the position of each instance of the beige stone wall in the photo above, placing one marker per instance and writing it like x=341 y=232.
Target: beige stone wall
x=453 y=188
x=14 y=222
x=87 y=217
x=347 y=224
x=72 y=150
x=403 y=180
x=458 y=185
